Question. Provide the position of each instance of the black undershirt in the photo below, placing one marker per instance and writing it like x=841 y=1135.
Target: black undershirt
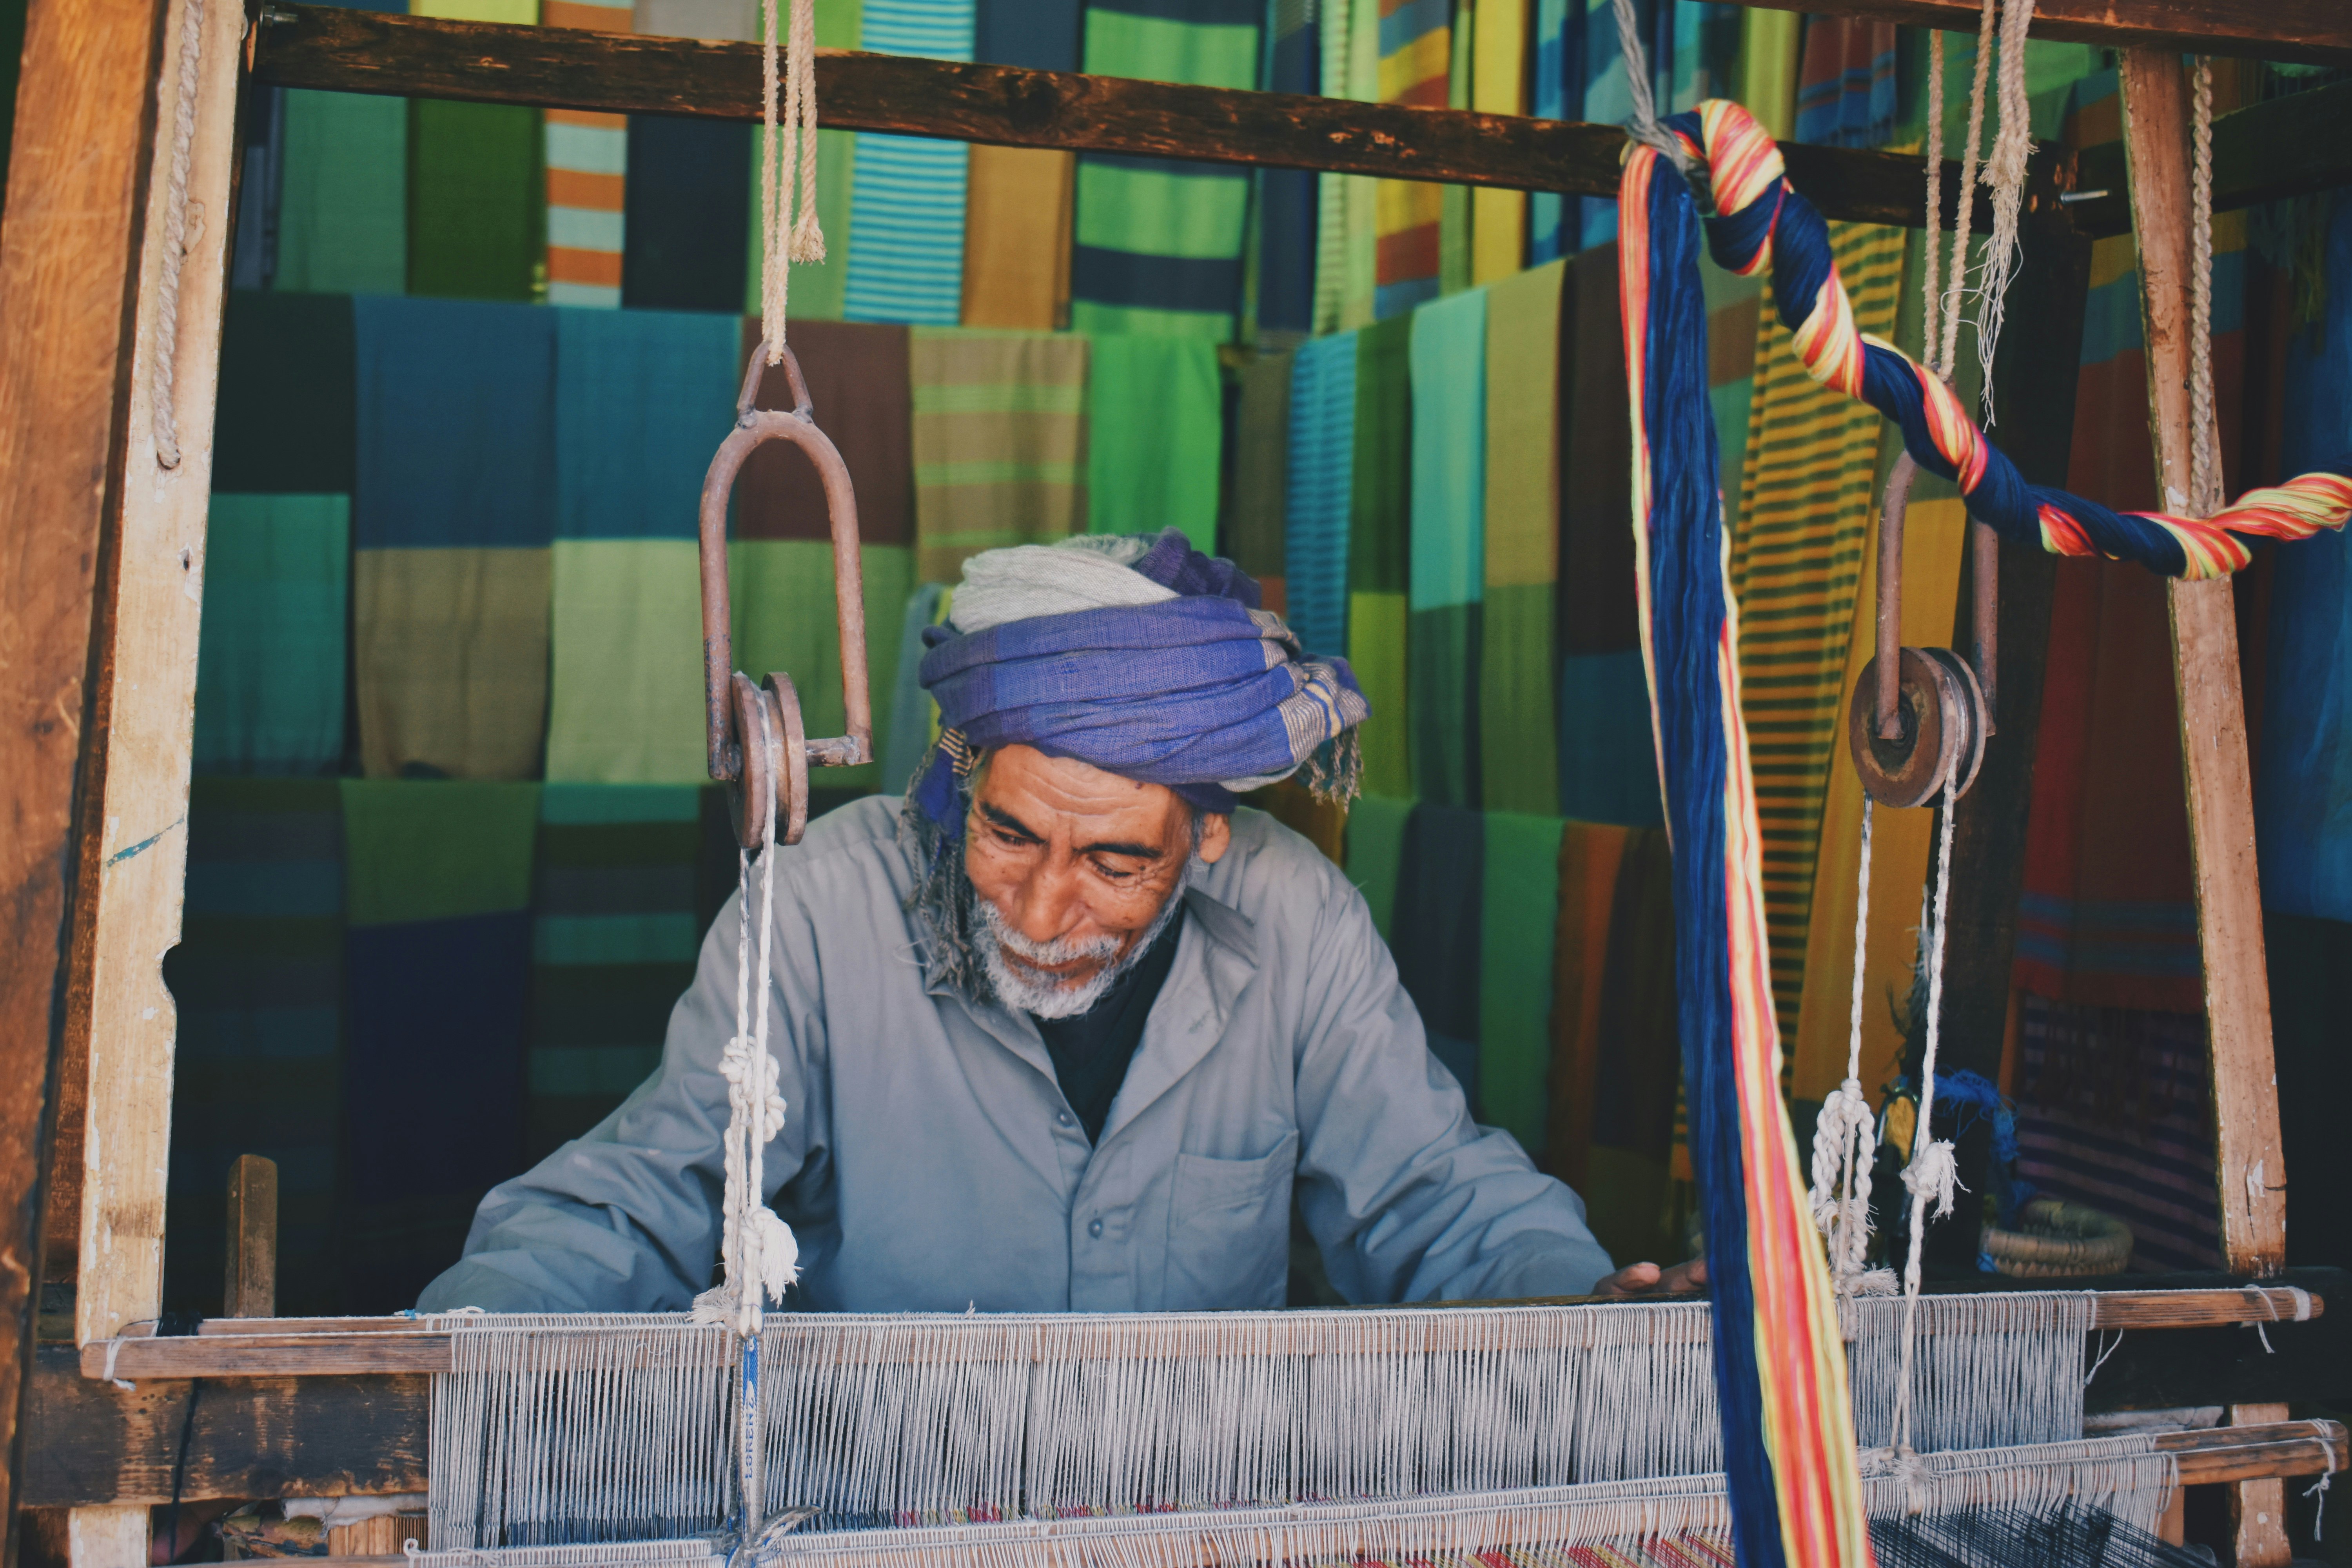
x=1092 y=1050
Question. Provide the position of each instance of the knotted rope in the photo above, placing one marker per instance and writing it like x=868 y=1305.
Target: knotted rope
x=165 y=414
x=788 y=220
x=1762 y=222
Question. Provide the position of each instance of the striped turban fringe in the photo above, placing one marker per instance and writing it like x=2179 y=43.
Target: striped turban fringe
x=1142 y=656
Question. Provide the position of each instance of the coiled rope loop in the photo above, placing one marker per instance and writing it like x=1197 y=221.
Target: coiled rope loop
x=1762 y=221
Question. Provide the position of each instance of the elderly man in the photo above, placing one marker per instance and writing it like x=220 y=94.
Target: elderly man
x=1069 y=1028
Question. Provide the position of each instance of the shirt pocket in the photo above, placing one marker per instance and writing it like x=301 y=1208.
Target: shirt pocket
x=1229 y=1231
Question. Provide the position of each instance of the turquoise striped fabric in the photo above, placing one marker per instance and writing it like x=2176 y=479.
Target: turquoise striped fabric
x=1448 y=559
x=906 y=193
x=1316 y=509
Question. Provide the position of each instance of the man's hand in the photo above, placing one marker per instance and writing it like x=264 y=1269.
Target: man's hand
x=1649 y=1280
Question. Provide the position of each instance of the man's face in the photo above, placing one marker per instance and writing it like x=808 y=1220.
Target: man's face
x=1076 y=862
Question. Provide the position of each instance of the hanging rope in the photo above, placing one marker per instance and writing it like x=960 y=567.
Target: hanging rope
x=2012 y=148
x=1762 y=222
x=1843 y=1141
x=1947 y=355
x=1930 y=297
x=2205 y=494
x=788 y=217
x=167 y=414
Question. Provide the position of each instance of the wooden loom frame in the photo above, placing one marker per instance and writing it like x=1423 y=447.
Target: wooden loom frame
x=100 y=598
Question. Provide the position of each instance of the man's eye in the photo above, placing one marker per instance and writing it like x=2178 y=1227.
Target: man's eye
x=1112 y=873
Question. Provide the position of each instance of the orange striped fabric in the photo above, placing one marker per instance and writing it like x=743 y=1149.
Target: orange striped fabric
x=1416 y=59
x=587 y=179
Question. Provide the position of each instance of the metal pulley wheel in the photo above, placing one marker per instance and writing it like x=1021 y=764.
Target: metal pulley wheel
x=758 y=745
x=1921 y=716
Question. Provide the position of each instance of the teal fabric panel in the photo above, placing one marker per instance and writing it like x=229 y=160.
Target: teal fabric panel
x=1607 y=761
x=1521 y=899
x=642 y=400
x=1447 y=570
x=342 y=213
x=1376 y=852
x=1155 y=434
x=271 y=658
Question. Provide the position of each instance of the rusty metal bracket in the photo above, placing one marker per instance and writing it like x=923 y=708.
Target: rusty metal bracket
x=1921 y=715
x=773 y=777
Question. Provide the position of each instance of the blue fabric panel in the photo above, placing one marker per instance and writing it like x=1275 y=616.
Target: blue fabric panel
x=1608 y=764
x=1154 y=283
x=457 y=424
x=2302 y=798
x=642 y=399
x=1042 y=35
x=434 y=1083
x=905 y=231
x=1321 y=479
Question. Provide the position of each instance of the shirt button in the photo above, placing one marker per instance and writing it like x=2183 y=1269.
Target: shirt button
x=1063 y=1116
x=1094 y=1227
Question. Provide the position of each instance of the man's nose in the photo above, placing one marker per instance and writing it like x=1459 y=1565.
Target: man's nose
x=1044 y=907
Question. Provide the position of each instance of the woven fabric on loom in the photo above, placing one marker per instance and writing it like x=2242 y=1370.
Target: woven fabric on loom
x=1607 y=763
x=1517 y=697
x=2304 y=778
x=1320 y=478
x=587 y=172
x=1155 y=434
x=618 y=914
x=477 y=196
x=1807 y=489
x=452 y=515
x=1159 y=243
x=270 y=657
x=1416 y=57
x=343 y=209
x=437 y=881
x=2113 y=1111
x=1446 y=556
x=1262 y=476
x=1616 y=1057
x=907 y=202
x=1521 y=910
x=258 y=977
x=1845 y=89
x=999 y=443
x=1378 y=551
x=641 y=400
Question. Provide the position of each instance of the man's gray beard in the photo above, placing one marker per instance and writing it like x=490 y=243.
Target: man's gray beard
x=1051 y=999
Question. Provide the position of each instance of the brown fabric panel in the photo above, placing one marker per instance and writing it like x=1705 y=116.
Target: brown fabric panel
x=857 y=380
x=1596 y=498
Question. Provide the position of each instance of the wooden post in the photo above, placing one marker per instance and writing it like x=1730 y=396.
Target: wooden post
x=2248 y=1165
x=249 y=1280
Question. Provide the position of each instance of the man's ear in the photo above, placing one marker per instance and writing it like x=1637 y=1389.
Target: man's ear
x=1216 y=836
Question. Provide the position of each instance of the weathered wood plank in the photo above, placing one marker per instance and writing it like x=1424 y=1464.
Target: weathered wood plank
x=416 y=57
x=249 y=1274
x=90 y=1443
x=2248 y=1168
x=2247 y=1453
x=2318 y=30
x=76 y=169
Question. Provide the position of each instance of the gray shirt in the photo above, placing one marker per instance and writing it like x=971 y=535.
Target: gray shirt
x=928 y=1161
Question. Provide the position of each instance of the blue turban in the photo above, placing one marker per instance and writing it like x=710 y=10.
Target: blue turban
x=1169 y=673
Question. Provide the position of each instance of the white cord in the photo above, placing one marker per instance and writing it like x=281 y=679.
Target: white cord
x=2005 y=173
x=2319 y=1489
x=1842 y=1133
x=1955 y=285
x=166 y=416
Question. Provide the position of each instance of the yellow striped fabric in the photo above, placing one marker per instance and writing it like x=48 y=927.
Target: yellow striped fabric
x=1806 y=491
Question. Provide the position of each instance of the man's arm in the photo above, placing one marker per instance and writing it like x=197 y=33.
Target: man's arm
x=1409 y=1199
x=626 y=1217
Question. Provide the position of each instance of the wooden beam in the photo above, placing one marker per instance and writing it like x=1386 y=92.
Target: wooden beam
x=2248 y=1167
x=250 y=1273
x=348 y=50
x=2279 y=147
x=77 y=169
x=2316 y=30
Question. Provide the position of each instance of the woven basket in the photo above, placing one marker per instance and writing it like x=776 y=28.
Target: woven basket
x=2055 y=1238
